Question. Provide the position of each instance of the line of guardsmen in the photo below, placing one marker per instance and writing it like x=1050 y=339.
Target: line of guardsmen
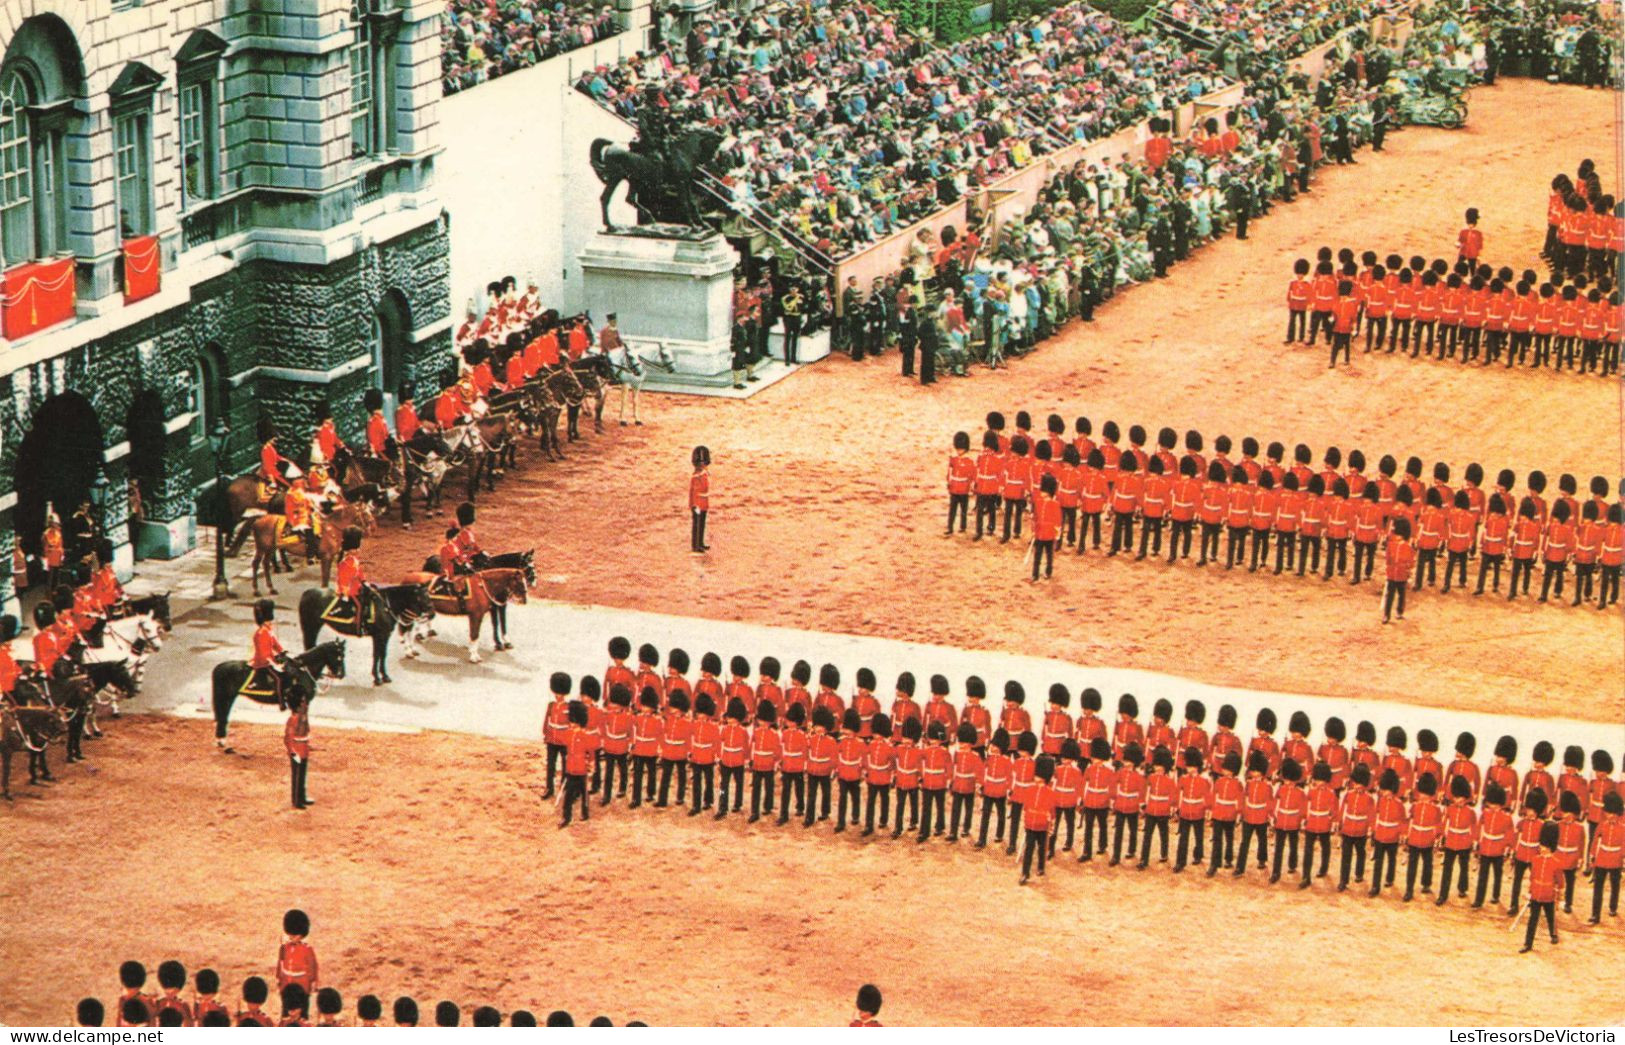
x=298 y=986
x=923 y=768
x=1571 y=321
x=1071 y=484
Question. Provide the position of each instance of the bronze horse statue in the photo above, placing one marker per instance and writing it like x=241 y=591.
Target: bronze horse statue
x=662 y=191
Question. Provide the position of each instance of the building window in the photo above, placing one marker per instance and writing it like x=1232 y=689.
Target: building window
x=16 y=172
x=363 y=83
x=197 y=142
x=130 y=138
x=210 y=392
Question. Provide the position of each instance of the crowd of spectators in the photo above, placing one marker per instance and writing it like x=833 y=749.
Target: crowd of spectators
x=483 y=39
x=844 y=127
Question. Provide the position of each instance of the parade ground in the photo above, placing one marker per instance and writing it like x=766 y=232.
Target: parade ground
x=431 y=865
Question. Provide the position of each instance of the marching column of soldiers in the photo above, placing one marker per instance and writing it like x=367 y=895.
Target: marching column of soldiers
x=948 y=771
x=1259 y=512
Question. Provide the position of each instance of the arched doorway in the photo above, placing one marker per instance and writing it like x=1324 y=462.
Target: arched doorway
x=145 y=425
x=57 y=464
x=391 y=327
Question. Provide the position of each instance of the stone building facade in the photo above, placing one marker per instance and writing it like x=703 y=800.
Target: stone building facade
x=210 y=211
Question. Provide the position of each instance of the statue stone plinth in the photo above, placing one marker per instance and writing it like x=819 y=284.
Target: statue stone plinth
x=676 y=291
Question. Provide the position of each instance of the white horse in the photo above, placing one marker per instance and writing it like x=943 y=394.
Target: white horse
x=632 y=368
x=130 y=641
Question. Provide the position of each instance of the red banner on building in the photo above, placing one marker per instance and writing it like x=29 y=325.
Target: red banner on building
x=36 y=296
x=141 y=268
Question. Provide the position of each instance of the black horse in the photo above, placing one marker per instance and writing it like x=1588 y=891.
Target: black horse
x=31 y=730
x=306 y=670
x=384 y=609
x=653 y=182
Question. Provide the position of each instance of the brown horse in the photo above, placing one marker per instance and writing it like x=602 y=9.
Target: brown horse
x=488 y=594
x=28 y=730
x=334 y=523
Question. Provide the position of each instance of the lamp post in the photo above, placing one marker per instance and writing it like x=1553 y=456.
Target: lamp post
x=219 y=441
x=98 y=501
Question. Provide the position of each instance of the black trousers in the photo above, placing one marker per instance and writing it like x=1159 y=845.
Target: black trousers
x=1157 y=825
x=1600 y=875
x=958 y=504
x=1319 y=321
x=1553 y=571
x=298 y=770
x=1420 y=858
x=792 y=337
x=1384 y=856
x=908 y=802
x=761 y=793
x=1122 y=532
x=1121 y=822
x=1235 y=548
x=1312 y=839
x=1261 y=550
x=992 y=810
x=1187 y=829
x=1015 y=826
x=1223 y=845
x=1044 y=554
x=1393 y=592
x=1179 y=542
x=1285 y=551
x=1455 y=864
x=1308 y=553
x=1209 y=548
x=1583 y=574
x=1519 y=869
x=1036 y=842
x=987 y=514
x=961 y=809
x=696 y=534
x=1364 y=552
x=1419 y=328
x=575 y=789
x=611 y=763
x=1297 y=324
x=703 y=779
x=793 y=783
x=1535 y=909
x=1248 y=833
x=1283 y=839
x=643 y=778
x=933 y=800
x=1524 y=568
x=734 y=777
x=1427 y=567
x=1093 y=820
x=1091 y=526
x=850 y=794
x=1376 y=328
x=1337 y=556
x=1485 y=564
x=1488 y=866
x=669 y=766
x=1455 y=564
x=878 y=794
x=817 y=799
x=1014 y=509
x=1353 y=855
x=1608 y=589
x=555 y=761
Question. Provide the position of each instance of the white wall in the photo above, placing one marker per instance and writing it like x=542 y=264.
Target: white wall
x=515 y=177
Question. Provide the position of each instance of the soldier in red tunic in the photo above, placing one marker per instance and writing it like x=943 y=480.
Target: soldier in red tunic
x=1545 y=871
x=556 y=726
x=1068 y=787
x=296 y=738
x=1037 y=816
x=1287 y=816
x=850 y=752
x=1354 y=819
x=995 y=786
x=1570 y=844
x=937 y=709
x=906 y=775
x=793 y=747
x=646 y=732
x=616 y=738
x=966 y=772
x=868 y=1006
x=961 y=476
x=1099 y=782
x=1195 y=793
x=800 y=675
x=821 y=752
x=1021 y=785
x=580 y=752
x=1257 y=805
x=704 y=744
x=1320 y=816
x=936 y=768
x=132 y=977
x=1422 y=835
x=296 y=958
x=674 y=737
x=903 y=706
x=1128 y=796
x=733 y=751
x=766 y=751
x=879 y=770
x=1460 y=835
x=1161 y=795
x=1387 y=830
x=1607 y=849
x=699 y=499
x=1494 y=841
x=255 y=991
